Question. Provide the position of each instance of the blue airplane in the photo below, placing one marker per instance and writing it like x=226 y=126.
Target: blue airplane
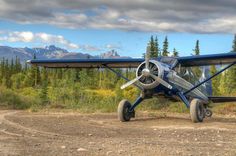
x=163 y=77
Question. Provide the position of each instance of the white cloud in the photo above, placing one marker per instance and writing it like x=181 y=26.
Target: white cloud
x=135 y=15
x=90 y=48
x=27 y=36
x=112 y=46
x=55 y=39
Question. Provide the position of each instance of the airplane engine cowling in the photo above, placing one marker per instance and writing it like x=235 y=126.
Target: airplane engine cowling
x=155 y=68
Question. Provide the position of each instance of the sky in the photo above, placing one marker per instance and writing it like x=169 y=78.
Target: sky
x=98 y=26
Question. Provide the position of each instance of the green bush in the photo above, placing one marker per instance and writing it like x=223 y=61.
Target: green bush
x=12 y=100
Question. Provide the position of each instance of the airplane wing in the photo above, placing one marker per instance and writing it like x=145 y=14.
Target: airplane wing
x=201 y=60
x=87 y=63
x=204 y=60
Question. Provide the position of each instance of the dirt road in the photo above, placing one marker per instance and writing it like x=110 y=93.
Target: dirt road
x=24 y=133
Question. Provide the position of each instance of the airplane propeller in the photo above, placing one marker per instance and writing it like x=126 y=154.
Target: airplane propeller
x=130 y=82
x=146 y=72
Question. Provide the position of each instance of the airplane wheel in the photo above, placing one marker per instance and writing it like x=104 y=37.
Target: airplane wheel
x=197 y=111
x=208 y=112
x=123 y=111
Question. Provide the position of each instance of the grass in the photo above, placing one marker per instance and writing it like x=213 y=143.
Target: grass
x=226 y=108
x=12 y=100
x=90 y=101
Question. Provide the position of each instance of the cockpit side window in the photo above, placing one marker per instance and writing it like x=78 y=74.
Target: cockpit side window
x=194 y=75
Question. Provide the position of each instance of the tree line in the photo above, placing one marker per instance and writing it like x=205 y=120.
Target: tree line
x=78 y=85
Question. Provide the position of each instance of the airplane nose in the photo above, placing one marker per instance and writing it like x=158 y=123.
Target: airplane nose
x=146 y=72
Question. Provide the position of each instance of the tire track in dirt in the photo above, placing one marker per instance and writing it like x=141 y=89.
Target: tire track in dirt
x=107 y=134
x=31 y=131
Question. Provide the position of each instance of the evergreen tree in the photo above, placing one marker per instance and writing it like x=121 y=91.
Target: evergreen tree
x=197 y=49
x=152 y=47
x=175 y=53
x=234 y=44
x=223 y=84
x=17 y=80
x=44 y=90
x=26 y=67
x=165 y=51
x=197 y=70
x=18 y=66
x=231 y=73
x=7 y=69
x=36 y=73
x=156 y=48
x=12 y=68
x=215 y=81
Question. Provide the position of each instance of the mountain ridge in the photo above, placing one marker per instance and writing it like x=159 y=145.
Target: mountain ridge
x=50 y=52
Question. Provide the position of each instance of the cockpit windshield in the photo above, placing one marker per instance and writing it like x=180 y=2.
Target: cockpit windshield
x=171 y=61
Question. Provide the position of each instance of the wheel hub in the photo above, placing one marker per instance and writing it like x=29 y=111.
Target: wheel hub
x=146 y=72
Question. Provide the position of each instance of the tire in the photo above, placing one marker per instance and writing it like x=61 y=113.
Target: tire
x=197 y=111
x=123 y=111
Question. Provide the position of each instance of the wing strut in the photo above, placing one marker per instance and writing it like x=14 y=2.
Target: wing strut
x=194 y=87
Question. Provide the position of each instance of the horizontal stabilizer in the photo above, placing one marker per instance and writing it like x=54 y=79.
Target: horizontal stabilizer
x=220 y=99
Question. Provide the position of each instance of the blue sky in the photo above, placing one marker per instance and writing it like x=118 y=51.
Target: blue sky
x=100 y=26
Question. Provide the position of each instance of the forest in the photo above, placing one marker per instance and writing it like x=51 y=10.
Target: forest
x=90 y=90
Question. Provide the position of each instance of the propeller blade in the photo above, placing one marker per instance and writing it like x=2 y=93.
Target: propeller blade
x=147 y=58
x=130 y=82
x=161 y=81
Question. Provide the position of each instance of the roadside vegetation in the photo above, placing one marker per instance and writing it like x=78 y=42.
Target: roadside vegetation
x=92 y=90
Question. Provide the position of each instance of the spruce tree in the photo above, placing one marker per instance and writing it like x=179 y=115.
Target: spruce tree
x=152 y=47
x=175 y=53
x=7 y=74
x=165 y=51
x=231 y=73
x=197 y=49
x=215 y=81
x=36 y=73
x=197 y=70
x=156 y=48
x=223 y=84
x=234 y=44
x=44 y=89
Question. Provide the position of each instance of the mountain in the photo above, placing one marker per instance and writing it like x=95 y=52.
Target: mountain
x=112 y=54
x=41 y=53
x=49 y=52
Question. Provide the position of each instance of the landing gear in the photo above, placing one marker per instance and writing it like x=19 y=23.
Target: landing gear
x=126 y=110
x=123 y=111
x=197 y=110
x=208 y=112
